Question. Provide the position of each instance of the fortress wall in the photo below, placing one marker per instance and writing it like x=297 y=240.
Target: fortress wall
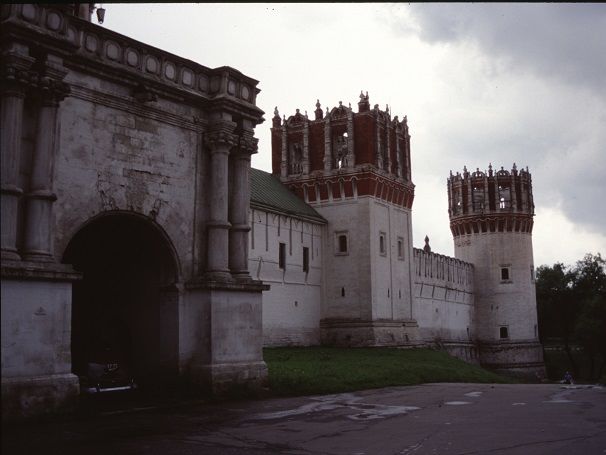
x=443 y=298
x=291 y=308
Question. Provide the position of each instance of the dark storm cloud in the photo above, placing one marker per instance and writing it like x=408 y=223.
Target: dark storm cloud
x=566 y=41
x=564 y=46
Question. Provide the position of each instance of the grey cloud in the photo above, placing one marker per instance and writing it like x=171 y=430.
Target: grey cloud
x=566 y=41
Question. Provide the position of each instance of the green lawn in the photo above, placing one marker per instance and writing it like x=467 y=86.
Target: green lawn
x=318 y=370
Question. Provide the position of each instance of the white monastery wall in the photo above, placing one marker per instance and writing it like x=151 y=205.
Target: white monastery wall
x=391 y=290
x=444 y=298
x=502 y=303
x=347 y=285
x=291 y=308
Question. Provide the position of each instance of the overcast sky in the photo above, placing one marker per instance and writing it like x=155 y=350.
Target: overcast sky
x=480 y=84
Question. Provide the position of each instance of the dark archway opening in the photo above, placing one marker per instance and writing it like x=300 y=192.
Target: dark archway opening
x=125 y=309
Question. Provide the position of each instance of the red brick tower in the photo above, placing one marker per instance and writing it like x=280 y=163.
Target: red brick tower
x=343 y=151
x=354 y=169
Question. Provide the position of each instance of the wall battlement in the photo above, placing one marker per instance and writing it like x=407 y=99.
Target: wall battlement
x=437 y=269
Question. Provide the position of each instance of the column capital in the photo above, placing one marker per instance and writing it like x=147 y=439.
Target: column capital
x=15 y=74
x=221 y=134
x=248 y=145
x=52 y=91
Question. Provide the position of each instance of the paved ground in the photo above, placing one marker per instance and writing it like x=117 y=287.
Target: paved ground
x=427 y=419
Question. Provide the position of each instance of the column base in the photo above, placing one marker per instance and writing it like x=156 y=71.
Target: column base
x=10 y=255
x=38 y=257
x=218 y=275
x=36 y=396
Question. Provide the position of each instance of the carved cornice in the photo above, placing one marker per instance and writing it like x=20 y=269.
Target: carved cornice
x=504 y=222
x=94 y=49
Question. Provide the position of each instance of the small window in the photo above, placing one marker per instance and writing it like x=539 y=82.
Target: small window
x=382 y=249
x=400 y=248
x=532 y=276
x=305 y=259
x=505 y=276
x=282 y=256
x=503 y=332
x=341 y=243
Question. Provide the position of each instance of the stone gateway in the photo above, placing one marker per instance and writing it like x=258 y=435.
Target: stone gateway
x=134 y=230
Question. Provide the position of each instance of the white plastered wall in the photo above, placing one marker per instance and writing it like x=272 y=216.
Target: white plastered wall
x=291 y=308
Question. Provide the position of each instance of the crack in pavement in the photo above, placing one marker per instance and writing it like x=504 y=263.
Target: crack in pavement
x=534 y=443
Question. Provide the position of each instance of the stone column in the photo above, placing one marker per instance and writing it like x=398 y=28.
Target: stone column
x=239 y=207
x=219 y=141
x=15 y=64
x=37 y=242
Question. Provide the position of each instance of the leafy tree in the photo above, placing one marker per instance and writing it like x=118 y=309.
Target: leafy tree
x=556 y=306
x=571 y=304
x=590 y=326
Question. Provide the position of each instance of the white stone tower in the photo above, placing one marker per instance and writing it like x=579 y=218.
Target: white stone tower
x=491 y=219
x=354 y=169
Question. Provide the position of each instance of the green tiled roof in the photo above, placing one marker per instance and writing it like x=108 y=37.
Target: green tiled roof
x=267 y=192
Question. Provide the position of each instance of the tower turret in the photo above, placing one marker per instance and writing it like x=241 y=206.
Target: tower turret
x=491 y=219
x=354 y=169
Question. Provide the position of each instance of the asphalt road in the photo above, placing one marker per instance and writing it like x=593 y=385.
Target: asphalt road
x=428 y=419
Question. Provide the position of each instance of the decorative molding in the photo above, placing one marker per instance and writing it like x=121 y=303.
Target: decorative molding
x=143 y=110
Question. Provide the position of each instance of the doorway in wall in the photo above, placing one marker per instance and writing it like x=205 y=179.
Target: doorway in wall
x=125 y=309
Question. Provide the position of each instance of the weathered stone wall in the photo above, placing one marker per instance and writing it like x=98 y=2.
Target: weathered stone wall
x=118 y=155
x=291 y=308
x=96 y=125
x=444 y=298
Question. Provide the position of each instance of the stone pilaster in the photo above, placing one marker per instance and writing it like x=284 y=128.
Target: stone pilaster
x=351 y=160
x=306 y=146
x=37 y=243
x=14 y=81
x=284 y=162
x=238 y=207
x=328 y=160
x=219 y=140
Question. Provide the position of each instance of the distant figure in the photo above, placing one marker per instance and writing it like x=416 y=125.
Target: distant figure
x=568 y=378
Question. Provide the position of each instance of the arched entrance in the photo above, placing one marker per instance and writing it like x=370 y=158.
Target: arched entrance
x=125 y=309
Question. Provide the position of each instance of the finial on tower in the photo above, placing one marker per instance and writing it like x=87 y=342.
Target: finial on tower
x=276 y=120
x=427 y=248
x=318 y=111
x=363 y=104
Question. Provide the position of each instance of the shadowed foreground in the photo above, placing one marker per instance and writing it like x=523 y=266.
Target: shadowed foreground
x=426 y=419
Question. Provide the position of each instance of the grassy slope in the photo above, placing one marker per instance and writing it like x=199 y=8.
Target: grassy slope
x=317 y=370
